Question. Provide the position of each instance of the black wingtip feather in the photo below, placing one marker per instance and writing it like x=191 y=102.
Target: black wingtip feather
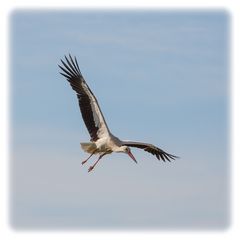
x=71 y=68
x=67 y=69
x=77 y=64
x=162 y=157
x=72 y=65
x=66 y=76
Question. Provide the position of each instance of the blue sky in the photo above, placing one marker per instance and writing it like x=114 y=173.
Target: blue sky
x=160 y=77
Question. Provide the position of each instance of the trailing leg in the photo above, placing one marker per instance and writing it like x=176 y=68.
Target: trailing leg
x=89 y=157
x=92 y=167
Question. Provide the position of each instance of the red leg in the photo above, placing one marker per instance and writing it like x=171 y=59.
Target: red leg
x=92 y=167
x=88 y=158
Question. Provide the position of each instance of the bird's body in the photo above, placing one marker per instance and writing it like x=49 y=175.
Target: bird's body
x=102 y=141
x=106 y=144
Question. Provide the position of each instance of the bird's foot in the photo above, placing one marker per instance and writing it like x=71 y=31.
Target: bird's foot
x=90 y=168
x=84 y=162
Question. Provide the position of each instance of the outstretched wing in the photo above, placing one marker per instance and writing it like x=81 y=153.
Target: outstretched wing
x=91 y=112
x=159 y=153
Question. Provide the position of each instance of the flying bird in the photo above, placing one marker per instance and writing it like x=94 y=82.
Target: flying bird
x=102 y=141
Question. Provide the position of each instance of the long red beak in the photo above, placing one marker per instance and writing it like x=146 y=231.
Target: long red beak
x=132 y=157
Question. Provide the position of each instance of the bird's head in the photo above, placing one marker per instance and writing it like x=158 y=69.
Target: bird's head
x=127 y=150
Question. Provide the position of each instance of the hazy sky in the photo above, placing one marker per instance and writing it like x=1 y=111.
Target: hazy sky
x=160 y=77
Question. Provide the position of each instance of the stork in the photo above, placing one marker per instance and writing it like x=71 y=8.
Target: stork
x=102 y=141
